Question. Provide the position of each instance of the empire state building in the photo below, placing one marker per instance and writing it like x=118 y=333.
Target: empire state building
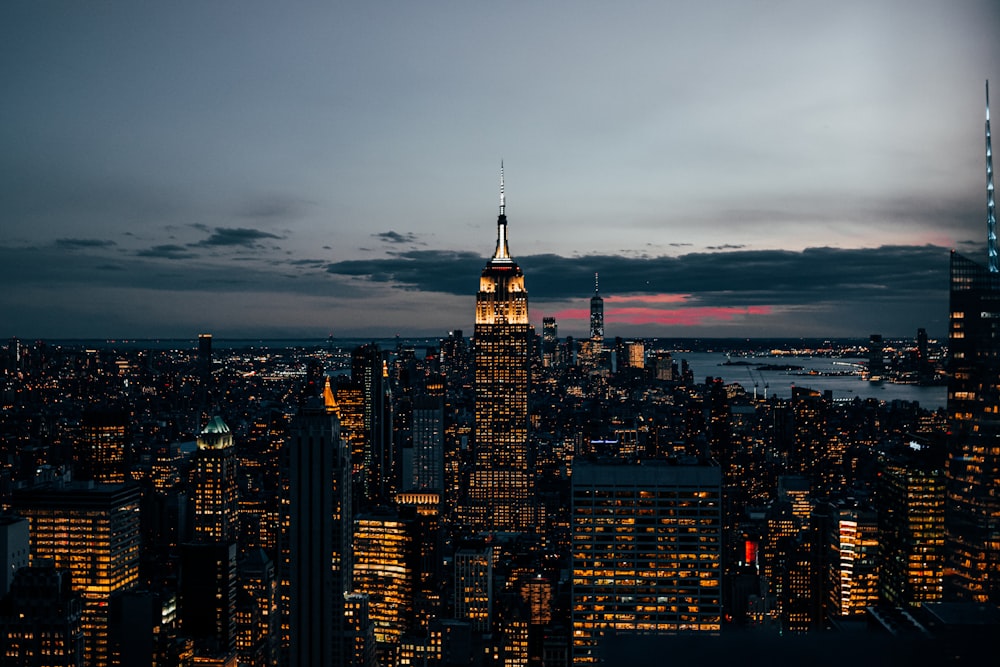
x=501 y=485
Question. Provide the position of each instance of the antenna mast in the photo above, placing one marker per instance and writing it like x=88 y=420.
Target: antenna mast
x=991 y=214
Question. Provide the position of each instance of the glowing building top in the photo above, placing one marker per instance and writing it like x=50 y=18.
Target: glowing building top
x=502 y=298
x=215 y=435
x=329 y=400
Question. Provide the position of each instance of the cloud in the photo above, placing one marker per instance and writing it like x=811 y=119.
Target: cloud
x=84 y=243
x=444 y=271
x=315 y=263
x=274 y=207
x=765 y=276
x=815 y=292
x=395 y=237
x=167 y=251
x=236 y=236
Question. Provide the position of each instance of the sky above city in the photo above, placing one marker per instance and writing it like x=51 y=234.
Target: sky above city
x=262 y=169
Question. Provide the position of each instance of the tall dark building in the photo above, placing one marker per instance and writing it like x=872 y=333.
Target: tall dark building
x=208 y=596
x=318 y=542
x=204 y=352
x=378 y=475
x=501 y=489
x=876 y=358
x=973 y=505
x=974 y=409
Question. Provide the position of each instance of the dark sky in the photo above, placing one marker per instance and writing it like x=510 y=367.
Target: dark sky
x=729 y=168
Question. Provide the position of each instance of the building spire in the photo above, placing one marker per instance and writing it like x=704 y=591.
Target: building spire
x=502 y=254
x=329 y=400
x=991 y=213
x=596 y=288
x=503 y=204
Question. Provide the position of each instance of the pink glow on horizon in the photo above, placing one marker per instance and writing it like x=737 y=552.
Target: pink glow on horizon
x=651 y=298
x=694 y=316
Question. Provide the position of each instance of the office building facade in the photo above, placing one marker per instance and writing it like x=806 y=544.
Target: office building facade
x=646 y=552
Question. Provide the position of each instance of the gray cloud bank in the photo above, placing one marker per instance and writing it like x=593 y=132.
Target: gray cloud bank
x=816 y=292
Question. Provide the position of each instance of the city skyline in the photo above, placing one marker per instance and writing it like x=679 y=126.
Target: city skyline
x=735 y=171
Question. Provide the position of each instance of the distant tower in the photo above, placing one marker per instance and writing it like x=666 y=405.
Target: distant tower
x=596 y=319
x=991 y=213
x=501 y=488
x=205 y=353
x=876 y=358
x=550 y=341
x=204 y=377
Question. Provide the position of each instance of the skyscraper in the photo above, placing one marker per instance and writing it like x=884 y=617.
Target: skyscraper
x=214 y=481
x=501 y=486
x=378 y=475
x=318 y=543
x=972 y=508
